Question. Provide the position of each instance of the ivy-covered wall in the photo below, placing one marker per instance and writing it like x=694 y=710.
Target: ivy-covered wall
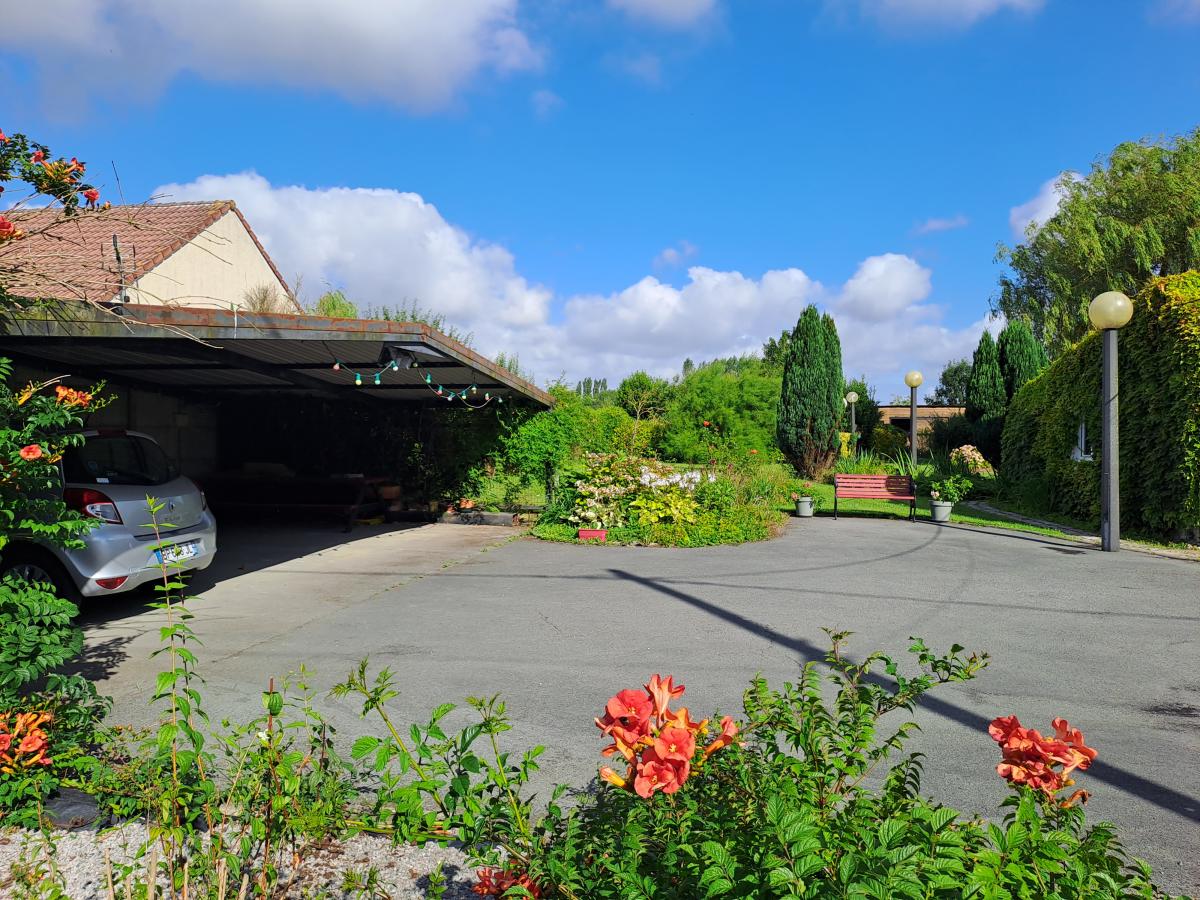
x=1159 y=419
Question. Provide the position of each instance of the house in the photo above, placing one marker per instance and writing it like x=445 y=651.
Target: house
x=232 y=387
x=202 y=255
x=899 y=416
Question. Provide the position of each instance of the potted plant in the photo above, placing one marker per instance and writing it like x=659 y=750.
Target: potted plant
x=804 y=501
x=945 y=493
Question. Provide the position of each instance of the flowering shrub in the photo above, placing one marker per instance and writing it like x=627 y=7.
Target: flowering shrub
x=659 y=745
x=1041 y=763
x=950 y=489
x=23 y=743
x=618 y=490
x=968 y=459
x=789 y=807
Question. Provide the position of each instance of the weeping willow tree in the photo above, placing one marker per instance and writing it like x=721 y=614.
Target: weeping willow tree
x=1133 y=217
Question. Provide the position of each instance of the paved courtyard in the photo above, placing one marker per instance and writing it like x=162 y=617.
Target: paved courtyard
x=1109 y=641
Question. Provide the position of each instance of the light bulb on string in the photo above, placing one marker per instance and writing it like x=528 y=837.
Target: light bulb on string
x=474 y=389
x=357 y=380
x=395 y=366
x=337 y=367
x=487 y=396
x=377 y=378
x=428 y=378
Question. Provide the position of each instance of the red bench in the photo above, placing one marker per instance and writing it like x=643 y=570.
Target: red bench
x=875 y=487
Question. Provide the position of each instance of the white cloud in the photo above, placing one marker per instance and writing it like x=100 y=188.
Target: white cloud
x=417 y=54
x=668 y=13
x=932 y=226
x=883 y=287
x=386 y=247
x=546 y=103
x=675 y=255
x=1039 y=209
x=952 y=13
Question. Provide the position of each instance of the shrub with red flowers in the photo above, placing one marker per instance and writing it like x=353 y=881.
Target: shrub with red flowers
x=38 y=423
x=1042 y=763
x=661 y=746
x=813 y=796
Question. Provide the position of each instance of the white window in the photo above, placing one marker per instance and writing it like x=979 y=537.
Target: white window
x=1082 y=452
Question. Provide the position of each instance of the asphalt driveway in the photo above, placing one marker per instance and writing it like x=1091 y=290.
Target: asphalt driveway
x=1110 y=641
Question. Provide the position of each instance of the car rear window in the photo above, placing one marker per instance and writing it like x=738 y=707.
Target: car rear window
x=118 y=459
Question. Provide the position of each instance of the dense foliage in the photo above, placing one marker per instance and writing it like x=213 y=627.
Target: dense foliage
x=643 y=501
x=810 y=400
x=1160 y=419
x=866 y=410
x=1127 y=221
x=55 y=712
x=1022 y=356
x=784 y=803
x=986 y=399
x=951 y=388
x=737 y=397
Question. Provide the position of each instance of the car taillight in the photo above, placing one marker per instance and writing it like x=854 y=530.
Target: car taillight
x=92 y=504
x=111 y=584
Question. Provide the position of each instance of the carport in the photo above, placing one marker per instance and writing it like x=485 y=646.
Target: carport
x=264 y=403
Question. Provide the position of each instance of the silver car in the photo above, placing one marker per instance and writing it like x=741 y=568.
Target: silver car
x=108 y=478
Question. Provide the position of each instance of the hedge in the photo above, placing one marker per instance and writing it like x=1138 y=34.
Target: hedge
x=1159 y=418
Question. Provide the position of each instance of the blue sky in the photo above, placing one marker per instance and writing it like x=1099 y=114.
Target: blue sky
x=613 y=184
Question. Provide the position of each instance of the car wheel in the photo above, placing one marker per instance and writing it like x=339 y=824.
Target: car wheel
x=39 y=566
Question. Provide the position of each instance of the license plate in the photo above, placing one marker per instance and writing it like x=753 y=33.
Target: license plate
x=177 y=552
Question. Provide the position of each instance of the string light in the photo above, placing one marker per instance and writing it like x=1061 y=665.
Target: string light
x=450 y=394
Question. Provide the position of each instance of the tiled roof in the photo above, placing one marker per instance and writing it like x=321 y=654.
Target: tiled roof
x=72 y=257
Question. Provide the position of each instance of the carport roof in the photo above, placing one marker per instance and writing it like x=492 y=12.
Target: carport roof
x=217 y=352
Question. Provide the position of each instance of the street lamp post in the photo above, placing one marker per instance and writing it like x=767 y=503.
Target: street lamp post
x=1110 y=312
x=913 y=379
x=851 y=399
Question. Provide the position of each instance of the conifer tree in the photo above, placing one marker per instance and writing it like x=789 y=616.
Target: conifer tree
x=807 y=422
x=1022 y=356
x=986 y=400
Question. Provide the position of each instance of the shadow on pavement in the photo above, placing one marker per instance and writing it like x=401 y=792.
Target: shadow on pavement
x=1150 y=791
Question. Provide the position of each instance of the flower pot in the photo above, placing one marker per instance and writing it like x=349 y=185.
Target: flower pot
x=940 y=510
x=592 y=534
x=804 y=507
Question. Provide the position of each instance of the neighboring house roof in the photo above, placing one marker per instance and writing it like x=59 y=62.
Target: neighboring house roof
x=72 y=258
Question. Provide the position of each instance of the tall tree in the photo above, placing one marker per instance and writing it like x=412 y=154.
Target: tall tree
x=833 y=362
x=775 y=352
x=807 y=422
x=951 y=388
x=1022 y=356
x=642 y=396
x=866 y=410
x=1125 y=222
x=986 y=400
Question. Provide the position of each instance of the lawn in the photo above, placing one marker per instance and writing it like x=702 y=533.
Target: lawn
x=823 y=494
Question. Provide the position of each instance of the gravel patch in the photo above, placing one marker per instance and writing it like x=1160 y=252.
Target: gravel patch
x=78 y=857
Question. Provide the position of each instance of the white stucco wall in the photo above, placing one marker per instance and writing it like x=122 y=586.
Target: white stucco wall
x=213 y=271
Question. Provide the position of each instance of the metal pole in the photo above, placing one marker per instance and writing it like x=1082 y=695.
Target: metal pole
x=853 y=429
x=912 y=425
x=1110 y=474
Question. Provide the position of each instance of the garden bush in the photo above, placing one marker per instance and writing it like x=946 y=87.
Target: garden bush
x=888 y=440
x=1160 y=420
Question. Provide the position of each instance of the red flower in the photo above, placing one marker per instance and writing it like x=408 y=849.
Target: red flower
x=31 y=452
x=654 y=775
x=38 y=156
x=3 y=137
x=662 y=691
x=754 y=452
x=8 y=231
x=496 y=882
x=1029 y=758
x=707 y=423
x=674 y=745
x=91 y=195
x=729 y=731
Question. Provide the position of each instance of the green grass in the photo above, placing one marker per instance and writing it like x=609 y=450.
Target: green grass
x=898 y=509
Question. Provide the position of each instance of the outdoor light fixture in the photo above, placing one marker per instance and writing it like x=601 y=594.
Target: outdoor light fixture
x=377 y=378
x=913 y=379
x=357 y=380
x=1109 y=312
